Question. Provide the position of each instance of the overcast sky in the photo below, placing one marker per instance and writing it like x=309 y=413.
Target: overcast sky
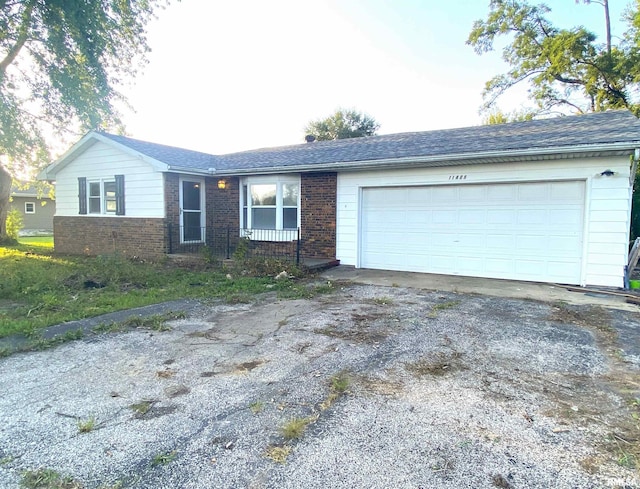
x=243 y=74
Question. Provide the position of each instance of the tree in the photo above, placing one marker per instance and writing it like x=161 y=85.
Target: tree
x=499 y=117
x=62 y=64
x=564 y=68
x=343 y=124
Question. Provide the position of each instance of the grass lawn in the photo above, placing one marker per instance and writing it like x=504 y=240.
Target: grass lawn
x=39 y=289
x=42 y=241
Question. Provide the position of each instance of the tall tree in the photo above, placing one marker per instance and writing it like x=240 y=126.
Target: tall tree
x=343 y=124
x=564 y=68
x=62 y=65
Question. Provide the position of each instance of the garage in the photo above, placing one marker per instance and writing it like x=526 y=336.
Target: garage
x=525 y=231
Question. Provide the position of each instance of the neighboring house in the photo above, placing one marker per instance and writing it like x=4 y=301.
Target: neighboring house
x=546 y=200
x=37 y=209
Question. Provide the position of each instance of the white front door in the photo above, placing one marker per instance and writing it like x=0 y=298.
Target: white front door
x=521 y=231
x=192 y=211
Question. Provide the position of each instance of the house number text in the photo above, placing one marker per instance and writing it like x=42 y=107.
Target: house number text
x=457 y=177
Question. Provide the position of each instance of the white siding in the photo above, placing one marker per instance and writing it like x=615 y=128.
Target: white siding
x=607 y=204
x=144 y=188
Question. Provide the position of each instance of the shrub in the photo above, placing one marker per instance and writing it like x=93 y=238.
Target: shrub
x=14 y=224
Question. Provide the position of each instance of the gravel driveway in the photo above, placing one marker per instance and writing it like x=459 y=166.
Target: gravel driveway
x=396 y=387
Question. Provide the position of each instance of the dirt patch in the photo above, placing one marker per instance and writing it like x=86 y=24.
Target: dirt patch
x=436 y=364
x=361 y=328
x=248 y=366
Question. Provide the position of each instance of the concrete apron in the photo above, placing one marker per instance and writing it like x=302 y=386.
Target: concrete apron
x=485 y=286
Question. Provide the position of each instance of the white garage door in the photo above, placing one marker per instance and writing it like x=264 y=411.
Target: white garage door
x=522 y=231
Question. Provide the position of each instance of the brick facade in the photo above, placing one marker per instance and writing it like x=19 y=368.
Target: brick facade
x=318 y=193
x=153 y=238
x=83 y=235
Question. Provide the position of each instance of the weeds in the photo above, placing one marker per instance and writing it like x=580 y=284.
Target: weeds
x=383 y=301
x=164 y=458
x=295 y=427
x=38 y=289
x=338 y=385
x=278 y=454
x=141 y=408
x=256 y=407
x=442 y=306
x=47 y=479
x=87 y=425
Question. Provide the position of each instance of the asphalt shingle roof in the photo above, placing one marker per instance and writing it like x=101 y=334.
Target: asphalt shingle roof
x=172 y=156
x=592 y=129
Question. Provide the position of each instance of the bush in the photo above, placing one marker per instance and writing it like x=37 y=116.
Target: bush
x=14 y=225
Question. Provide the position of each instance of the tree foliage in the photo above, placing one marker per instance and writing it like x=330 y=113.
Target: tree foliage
x=62 y=66
x=499 y=117
x=343 y=124
x=564 y=68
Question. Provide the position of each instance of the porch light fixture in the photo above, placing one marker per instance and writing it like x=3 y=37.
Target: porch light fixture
x=222 y=184
x=607 y=173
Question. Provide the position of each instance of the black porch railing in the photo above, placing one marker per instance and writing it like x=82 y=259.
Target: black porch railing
x=224 y=243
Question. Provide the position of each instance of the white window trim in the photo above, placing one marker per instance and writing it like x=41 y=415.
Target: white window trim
x=103 y=197
x=33 y=204
x=263 y=235
x=203 y=208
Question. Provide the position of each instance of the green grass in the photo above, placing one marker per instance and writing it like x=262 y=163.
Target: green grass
x=86 y=425
x=295 y=427
x=39 y=289
x=47 y=479
x=40 y=241
x=164 y=458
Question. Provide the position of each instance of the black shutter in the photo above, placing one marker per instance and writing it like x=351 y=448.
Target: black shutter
x=82 y=195
x=119 y=195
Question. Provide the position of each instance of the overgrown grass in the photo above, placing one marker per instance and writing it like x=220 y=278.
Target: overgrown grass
x=38 y=289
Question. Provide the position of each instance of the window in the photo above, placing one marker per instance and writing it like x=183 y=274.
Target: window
x=29 y=208
x=104 y=196
x=269 y=203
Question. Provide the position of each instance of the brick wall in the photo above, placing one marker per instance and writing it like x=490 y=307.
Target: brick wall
x=318 y=214
x=83 y=235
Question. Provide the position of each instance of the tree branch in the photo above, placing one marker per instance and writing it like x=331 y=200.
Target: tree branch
x=23 y=36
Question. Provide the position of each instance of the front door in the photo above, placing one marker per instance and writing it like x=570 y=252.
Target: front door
x=191 y=215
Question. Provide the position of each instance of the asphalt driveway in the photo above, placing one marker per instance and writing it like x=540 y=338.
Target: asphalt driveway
x=370 y=386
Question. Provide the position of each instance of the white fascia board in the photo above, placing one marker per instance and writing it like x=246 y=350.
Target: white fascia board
x=192 y=171
x=563 y=152
x=85 y=143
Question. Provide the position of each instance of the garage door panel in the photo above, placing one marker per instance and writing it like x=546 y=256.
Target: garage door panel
x=497 y=193
x=471 y=216
x=533 y=192
x=501 y=216
x=500 y=241
x=443 y=195
x=498 y=266
x=566 y=191
x=528 y=231
x=472 y=193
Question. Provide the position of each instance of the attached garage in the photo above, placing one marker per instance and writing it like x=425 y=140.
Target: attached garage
x=558 y=219
x=525 y=231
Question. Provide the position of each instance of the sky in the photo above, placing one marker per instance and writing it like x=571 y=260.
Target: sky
x=227 y=76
